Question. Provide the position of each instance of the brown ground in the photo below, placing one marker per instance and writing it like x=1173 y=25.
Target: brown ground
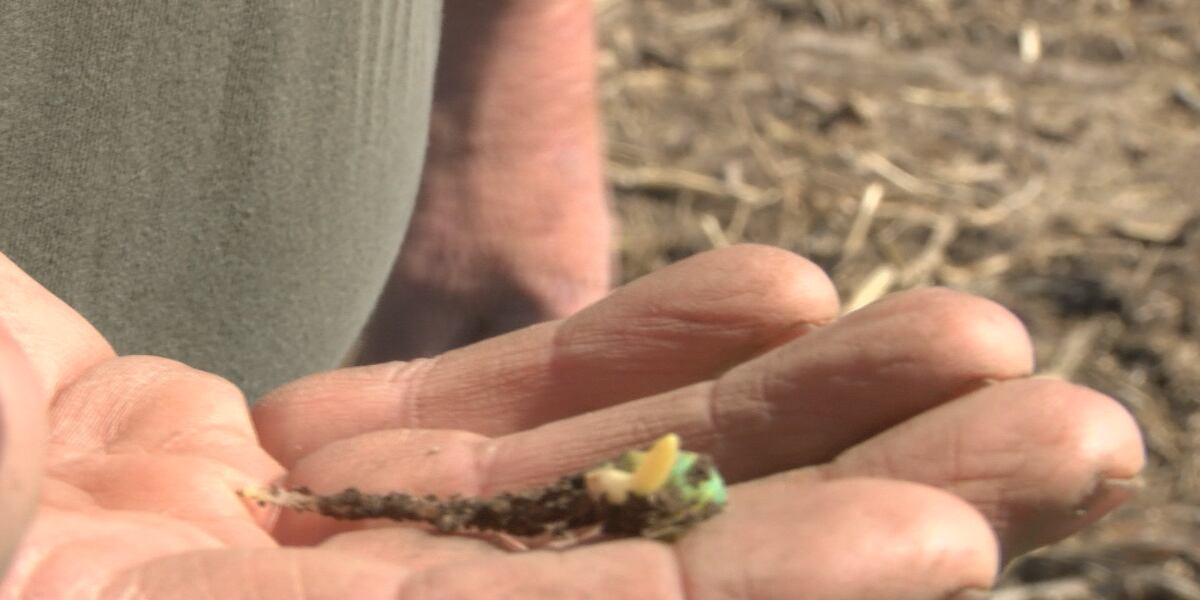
x=1044 y=153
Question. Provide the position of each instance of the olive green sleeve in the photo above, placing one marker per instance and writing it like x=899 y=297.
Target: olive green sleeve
x=222 y=182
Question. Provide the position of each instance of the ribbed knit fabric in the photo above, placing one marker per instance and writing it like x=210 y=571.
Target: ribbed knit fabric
x=222 y=182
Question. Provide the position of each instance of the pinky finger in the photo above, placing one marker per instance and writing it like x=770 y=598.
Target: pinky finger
x=296 y=573
x=783 y=538
x=788 y=536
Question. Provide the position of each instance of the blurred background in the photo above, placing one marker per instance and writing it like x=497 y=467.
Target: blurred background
x=1043 y=153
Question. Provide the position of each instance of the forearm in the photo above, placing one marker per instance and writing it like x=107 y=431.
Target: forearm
x=516 y=74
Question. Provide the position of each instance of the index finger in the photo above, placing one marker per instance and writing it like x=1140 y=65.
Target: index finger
x=686 y=323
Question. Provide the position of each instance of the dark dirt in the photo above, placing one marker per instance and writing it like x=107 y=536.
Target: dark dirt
x=553 y=509
x=1042 y=153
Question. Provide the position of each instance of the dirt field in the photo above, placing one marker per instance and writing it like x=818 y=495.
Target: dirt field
x=1044 y=153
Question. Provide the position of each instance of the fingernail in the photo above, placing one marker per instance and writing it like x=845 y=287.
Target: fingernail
x=1048 y=375
x=1130 y=485
x=1110 y=492
x=971 y=593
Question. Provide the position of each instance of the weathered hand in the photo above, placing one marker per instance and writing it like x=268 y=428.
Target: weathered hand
x=513 y=263
x=512 y=227
x=879 y=455
x=141 y=456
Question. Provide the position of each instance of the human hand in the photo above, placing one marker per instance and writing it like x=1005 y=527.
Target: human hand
x=898 y=452
x=512 y=226
x=823 y=425
x=22 y=444
x=140 y=459
x=482 y=259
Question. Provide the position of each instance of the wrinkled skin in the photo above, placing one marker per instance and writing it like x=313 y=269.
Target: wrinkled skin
x=898 y=452
x=511 y=226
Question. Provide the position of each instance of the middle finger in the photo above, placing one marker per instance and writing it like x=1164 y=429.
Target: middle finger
x=802 y=403
x=798 y=405
x=686 y=323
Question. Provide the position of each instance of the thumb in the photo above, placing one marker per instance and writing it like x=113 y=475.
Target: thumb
x=22 y=444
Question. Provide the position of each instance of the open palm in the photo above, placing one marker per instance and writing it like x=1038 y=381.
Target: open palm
x=898 y=452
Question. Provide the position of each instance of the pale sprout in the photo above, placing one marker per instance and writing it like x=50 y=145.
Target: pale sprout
x=609 y=482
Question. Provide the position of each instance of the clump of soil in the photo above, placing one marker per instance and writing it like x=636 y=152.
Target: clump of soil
x=1045 y=154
